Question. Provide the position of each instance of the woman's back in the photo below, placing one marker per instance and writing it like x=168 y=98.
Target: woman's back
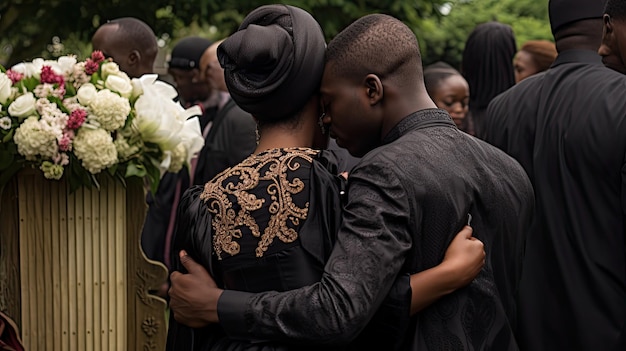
x=260 y=215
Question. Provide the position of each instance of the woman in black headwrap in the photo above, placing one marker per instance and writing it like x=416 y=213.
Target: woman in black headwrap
x=269 y=223
x=487 y=65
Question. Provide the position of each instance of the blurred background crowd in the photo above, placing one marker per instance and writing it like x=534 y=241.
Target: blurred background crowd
x=49 y=29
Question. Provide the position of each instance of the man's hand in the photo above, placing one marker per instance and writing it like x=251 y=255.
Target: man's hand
x=193 y=296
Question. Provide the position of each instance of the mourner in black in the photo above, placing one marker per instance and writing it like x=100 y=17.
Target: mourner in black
x=566 y=127
x=407 y=198
x=269 y=223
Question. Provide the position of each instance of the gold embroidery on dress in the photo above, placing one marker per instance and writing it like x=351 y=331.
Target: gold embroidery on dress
x=236 y=182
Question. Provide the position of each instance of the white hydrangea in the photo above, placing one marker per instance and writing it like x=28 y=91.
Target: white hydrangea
x=34 y=138
x=109 y=109
x=95 y=148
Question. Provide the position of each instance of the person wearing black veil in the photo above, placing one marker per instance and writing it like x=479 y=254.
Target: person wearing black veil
x=487 y=65
x=269 y=223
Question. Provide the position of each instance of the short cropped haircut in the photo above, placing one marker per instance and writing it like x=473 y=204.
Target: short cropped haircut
x=378 y=44
x=137 y=32
x=616 y=9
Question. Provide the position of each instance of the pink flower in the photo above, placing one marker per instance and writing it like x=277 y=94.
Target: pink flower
x=65 y=144
x=77 y=118
x=48 y=76
x=14 y=76
x=97 y=56
x=91 y=66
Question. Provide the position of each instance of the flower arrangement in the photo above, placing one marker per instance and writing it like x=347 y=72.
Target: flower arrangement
x=81 y=119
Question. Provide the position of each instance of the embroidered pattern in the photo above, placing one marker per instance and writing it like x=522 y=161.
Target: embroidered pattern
x=235 y=184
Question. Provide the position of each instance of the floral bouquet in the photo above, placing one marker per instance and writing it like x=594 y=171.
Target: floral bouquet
x=80 y=119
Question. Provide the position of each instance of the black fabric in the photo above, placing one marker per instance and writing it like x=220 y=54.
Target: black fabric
x=295 y=265
x=406 y=201
x=277 y=55
x=562 y=12
x=192 y=218
x=231 y=139
x=566 y=126
x=160 y=205
x=345 y=161
x=187 y=52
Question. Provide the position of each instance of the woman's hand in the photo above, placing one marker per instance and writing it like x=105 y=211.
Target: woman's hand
x=465 y=257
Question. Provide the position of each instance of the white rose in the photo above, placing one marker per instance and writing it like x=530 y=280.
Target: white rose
x=23 y=106
x=38 y=64
x=86 y=93
x=66 y=64
x=119 y=84
x=5 y=88
x=28 y=69
x=109 y=68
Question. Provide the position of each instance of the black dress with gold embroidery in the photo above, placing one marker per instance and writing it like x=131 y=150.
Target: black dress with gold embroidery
x=267 y=224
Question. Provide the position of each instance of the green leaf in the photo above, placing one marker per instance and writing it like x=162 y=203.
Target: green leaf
x=95 y=78
x=6 y=159
x=78 y=175
x=9 y=136
x=154 y=176
x=113 y=169
x=70 y=90
x=59 y=104
x=8 y=173
x=29 y=83
x=135 y=170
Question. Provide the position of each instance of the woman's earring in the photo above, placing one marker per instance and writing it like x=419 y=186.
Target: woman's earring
x=258 y=135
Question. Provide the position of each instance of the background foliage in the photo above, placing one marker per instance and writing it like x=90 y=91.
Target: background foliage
x=33 y=28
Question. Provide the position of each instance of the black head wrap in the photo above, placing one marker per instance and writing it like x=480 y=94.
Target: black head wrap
x=187 y=52
x=563 y=12
x=274 y=63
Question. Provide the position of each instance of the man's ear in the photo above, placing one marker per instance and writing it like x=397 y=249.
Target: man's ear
x=374 y=88
x=608 y=36
x=134 y=57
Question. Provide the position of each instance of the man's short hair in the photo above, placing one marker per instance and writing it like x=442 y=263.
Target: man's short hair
x=375 y=43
